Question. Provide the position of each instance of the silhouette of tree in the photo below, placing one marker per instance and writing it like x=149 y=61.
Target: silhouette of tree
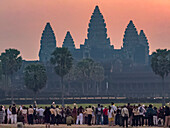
x=11 y=63
x=62 y=61
x=160 y=63
x=35 y=78
x=97 y=75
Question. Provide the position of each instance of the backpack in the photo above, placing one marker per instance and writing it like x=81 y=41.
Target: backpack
x=141 y=110
x=14 y=110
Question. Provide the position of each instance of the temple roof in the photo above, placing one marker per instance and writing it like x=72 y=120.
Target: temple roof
x=131 y=34
x=97 y=26
x=68 y=41
x=143 y=38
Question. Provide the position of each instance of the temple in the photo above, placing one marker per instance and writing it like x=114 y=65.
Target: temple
x=127 y=70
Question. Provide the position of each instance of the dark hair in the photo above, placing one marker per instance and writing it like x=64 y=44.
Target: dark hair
x=98 y=105
x=109 y=108
x=89 y=106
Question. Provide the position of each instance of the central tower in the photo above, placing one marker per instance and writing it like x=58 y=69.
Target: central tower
x=97 y=42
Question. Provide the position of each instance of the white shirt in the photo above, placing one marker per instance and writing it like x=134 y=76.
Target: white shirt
x=41 y=112
x=114 y=108
x=9 y=112
x=110 y=114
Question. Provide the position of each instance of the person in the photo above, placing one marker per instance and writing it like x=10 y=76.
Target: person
x=167 y=116
x=80 y=115
x=20 y=117
x=1 y=115
x=30 y=115
x=130 y=109
x=93 y=116
x=14 y=114
x=135 y=116
x=9 y=114
x=114 y=108
x=47 y=115
x=74 y=114
x=53 y=114
x=155 y=117
x=99 y=112
x=69 y=120
x=150 y=115
x=58 y=115
x=141 y=113
x=125 y=115
x=110 y=116
x=89 y=114
x=105 y=116
x=40 y=115
x=24 y=112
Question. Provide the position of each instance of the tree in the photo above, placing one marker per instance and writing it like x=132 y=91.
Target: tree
x=11 y=63
x=62 y=61
x=160 y=64
x=97 y=75
x=83 y=71
x=35 y=77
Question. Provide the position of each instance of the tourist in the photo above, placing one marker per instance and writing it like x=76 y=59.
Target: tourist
x=167 y=116
x=30 y=115
x=150 y=115
x=80 y=115
x=99 y=112
x=69 y=120
x=24 y=112
x=53 y=114
x=93 y=116
x=118 y=118
x=74 y=114
x=155 y=117
x=110 y=116
x=47 y=115
x=1 y=115
x=14 y=114
x=135 y=116
x=58 y=115
x=125 y=115
x=20 y=117
x=141 y=113
x=105 y=116
x=40 y=115
x=9 y=114
x=130 y=109
x=89 y=111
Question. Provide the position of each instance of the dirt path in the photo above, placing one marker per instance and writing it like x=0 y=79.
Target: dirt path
x=64 y=126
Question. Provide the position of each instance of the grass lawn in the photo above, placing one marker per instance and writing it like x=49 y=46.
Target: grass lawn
x=84 y=105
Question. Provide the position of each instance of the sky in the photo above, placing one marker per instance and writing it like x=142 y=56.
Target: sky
x=22 y=22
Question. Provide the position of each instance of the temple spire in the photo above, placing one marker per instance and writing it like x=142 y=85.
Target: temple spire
x=142 y=37
x=68 y=42
x=48 y=43
x=131 y=35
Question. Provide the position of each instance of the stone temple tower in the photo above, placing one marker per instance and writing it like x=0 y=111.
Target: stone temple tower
x=136 y=45
x=97 y=40
x=144 y=43
x=48 y=44
x=68 y=42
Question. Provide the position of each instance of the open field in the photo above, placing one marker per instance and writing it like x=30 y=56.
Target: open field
x=84 y=105
x=65 y=126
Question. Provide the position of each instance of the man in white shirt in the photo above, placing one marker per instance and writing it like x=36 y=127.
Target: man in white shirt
x=9 y=114
x=41 y=114
x=125 y=116
x=141 y=110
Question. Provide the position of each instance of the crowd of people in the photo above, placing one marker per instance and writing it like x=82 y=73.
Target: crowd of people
x=127 y=115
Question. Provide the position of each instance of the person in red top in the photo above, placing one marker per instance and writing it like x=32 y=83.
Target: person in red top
x=105 y=116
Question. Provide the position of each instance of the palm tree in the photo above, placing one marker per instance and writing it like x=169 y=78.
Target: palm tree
x=62 y=61
x=97 y=75
x=160 y=64
x=83 y=71
x=35 y=78
x=11 y=63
